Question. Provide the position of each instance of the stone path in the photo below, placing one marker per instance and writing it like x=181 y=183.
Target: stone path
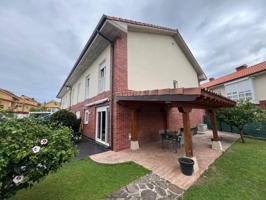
x=149 y=187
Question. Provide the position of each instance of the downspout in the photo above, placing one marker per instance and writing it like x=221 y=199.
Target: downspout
x=112 y=85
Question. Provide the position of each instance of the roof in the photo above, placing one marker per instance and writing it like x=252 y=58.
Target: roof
x=128 y=21
x=100 y=28
x=183 y=97
x=260 y=67
x=9 y=93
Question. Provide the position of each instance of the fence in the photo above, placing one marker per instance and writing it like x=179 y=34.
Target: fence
x=250 y=129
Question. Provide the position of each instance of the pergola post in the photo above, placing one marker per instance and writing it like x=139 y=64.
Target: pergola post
x=216 y=143
x=165 y=119
x=188 y=136
x=187 y=132
x=134 y=144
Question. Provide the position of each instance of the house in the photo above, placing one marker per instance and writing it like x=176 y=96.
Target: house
x=8 y=100
x=134 y=79
x=25 y=104
x=246 y=83
x=52 y=106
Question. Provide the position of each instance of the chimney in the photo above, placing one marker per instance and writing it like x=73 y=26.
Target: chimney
x=241 y=67
x=211 y=79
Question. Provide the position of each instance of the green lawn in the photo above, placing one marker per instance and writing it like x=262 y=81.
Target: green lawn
x=83 y=179
x=239 y=174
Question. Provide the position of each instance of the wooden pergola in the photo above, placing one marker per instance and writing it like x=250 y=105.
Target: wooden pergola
x=185 y=99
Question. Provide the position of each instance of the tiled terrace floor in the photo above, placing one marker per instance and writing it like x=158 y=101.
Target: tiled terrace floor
x=164 y=163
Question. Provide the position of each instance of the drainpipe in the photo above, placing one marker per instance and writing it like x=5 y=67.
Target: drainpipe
x=112 y=84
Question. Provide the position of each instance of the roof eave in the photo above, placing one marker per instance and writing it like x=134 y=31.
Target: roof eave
x=99 y=25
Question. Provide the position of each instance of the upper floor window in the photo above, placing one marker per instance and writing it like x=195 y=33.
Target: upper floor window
x=102 y=77
x=242 y=96
x=87 y=86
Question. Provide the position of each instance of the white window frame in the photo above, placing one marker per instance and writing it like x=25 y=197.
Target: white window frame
x=102 y=80
x=87 y=86
x=86 y=116
x=78 y=114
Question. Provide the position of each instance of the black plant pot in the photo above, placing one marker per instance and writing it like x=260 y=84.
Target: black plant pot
x=186 y=165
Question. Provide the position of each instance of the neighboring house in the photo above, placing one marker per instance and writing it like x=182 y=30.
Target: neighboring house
x=246 y=83
x=120 y=83
x=52 y=106
x=25 y=104
x=8 y=100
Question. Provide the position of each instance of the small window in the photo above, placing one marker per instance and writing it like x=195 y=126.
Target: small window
x=78 y=114
x=87 y=86
x=241 y=96
x=86 y=116
x=102 y=77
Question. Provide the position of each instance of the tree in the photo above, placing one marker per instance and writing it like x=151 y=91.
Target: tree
x=29 y=150
x=242 y=114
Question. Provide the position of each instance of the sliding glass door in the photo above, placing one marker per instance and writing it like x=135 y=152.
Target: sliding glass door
x=102 y=125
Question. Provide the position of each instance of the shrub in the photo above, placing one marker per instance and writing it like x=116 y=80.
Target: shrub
x=29 y=150
x=5 y=114
x=65 y=118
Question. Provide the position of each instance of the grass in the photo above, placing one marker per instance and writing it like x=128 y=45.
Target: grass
x=239 y=174
x=83 y=179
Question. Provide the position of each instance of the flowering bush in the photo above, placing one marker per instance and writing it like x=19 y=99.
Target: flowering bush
x=29 y=150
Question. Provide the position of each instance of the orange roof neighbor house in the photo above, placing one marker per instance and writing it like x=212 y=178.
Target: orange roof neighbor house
x=246 y=83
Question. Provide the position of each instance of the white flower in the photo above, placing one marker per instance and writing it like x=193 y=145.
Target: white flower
x=40 y=165
x=18 y=179
x=23 y=168
x=36 y=149
x=44 y=141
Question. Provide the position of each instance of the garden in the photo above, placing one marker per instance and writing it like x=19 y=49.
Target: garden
x=33 y=149
x=35 y=162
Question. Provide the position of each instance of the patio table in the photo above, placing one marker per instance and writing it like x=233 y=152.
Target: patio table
x=173 y=136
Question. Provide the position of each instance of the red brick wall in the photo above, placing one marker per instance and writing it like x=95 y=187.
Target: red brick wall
x=121 y=114
x=175 y=120
x=149 y=122
x=263 y=104
x=89 y=130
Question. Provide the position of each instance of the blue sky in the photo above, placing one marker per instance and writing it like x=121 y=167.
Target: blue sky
x=41 y=40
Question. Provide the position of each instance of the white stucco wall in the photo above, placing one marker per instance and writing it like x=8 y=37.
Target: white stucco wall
x=219 y=90
x=154 y=61
x=93 y=72
x=260 y=87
